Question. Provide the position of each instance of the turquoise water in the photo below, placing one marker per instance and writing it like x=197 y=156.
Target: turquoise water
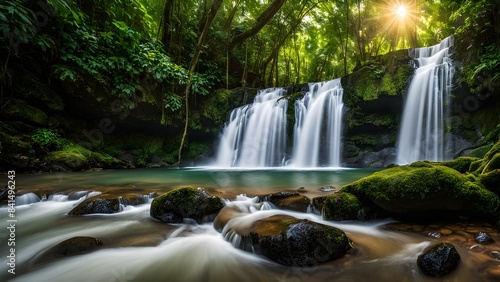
x=168 y=178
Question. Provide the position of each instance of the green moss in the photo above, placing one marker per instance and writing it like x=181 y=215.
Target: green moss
x=481 y=151
x=475 y=167
x=19 y=110
x=493 y=164
x=460 y=164
x=491 y=181
x=419 y=189
x=13 y=145
x=342 y=206
x=66 y=159
x=421 y=164
x=186 y=202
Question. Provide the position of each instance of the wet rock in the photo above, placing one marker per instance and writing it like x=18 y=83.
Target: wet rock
x=483 y=238
x=438 y=260
x=495 y=255
x=345 y=206
x=70 y=247
x=187 y=202
x=289 y=201
x=96 y=204
x=327 y=189
x=420 y=190
x=318 y=202
x=297 y=242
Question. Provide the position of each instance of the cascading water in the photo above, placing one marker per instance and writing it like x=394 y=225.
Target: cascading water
x=422 y=133
x=318 y=123
x=256 y=134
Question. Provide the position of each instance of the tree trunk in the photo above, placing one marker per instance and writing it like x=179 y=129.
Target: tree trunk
x=194 y=61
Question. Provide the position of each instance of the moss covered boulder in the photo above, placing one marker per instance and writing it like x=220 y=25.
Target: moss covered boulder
x=426 y=189
x=188 y=202
x=19 y=110
x=346 y=206
x=66 y=161
x=297 y=242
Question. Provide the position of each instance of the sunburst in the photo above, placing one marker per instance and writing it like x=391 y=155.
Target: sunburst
x=399 y=19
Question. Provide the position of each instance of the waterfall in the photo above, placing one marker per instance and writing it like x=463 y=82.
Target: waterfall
x=255 y=135
x=422 y=132
x=318 y=122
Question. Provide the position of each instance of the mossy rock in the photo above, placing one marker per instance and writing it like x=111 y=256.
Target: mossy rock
x=13 y=145
x=17 y=109
x=481 y=151
x=188 y=202
x=106 y=161
x=493 y=164
x=297 y=242
x=66 y=161
x=345 y=206
x=107 y=203
x=491 y=181
x=460 y=164
x=416 y=190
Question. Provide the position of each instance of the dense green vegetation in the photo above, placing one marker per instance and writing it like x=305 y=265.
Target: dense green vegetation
x=161 y=60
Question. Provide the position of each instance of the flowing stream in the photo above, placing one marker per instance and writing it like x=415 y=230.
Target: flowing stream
x=138 y=248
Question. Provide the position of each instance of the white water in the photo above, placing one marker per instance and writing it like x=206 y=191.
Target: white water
x=422 y=133
x=256 y=134
x=318 y=125
x=137 y=248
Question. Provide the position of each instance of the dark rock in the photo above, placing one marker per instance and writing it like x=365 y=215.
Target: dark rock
x=318 y=202
x=70 y=247
x=97 y=204
x=187 y=202
x=327 y=189
x=104 y=203
x=288 y=200
x=483 y=238
x=295 y=242
x=438 y=260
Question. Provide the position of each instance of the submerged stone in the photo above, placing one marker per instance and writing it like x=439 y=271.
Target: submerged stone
x=188 y=202
x=438 y=260
x=70 y=247
x=297 y=242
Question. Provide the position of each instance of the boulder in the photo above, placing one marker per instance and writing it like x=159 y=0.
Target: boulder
x=188 y=202
x=427 y=189
x=97 y=204
x=104 y=203
x=345 y=206
x=289 y=201
x=438 y=260
x=297 y=242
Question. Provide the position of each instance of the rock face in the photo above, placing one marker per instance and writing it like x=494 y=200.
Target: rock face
x=187 y=202
x=289 y=201
x=70 y=247
x=295 y=242
x=438 y=260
